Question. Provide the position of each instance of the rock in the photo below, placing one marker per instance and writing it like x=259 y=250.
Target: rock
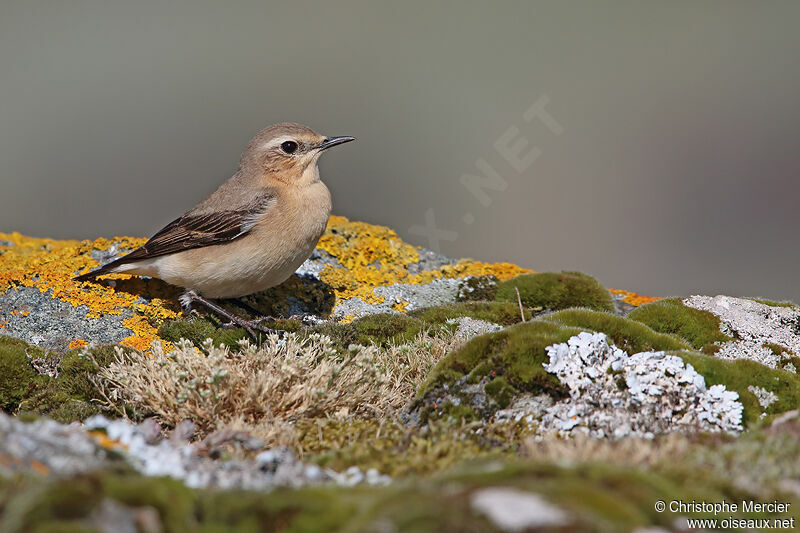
x=614 y=394
x=764 y=333
x=357 y=269
x=515 y=510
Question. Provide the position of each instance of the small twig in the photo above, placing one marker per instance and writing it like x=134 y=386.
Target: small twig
x=519 y=301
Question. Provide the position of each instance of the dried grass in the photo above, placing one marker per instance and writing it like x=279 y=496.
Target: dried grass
x=264 y=389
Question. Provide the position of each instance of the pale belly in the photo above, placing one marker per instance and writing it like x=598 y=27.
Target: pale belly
x=253 y=263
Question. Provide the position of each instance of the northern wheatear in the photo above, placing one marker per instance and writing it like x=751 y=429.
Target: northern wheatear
x=252 y=233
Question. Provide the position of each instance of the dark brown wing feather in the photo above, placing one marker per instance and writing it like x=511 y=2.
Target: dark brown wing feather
x=191 y=231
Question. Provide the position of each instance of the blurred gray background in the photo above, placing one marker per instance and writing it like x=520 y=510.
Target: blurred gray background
x=676 y=169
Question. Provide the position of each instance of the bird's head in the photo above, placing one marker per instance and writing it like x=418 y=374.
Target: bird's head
x=287 y=152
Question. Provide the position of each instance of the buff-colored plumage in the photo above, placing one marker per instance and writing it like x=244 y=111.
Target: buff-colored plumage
x=254 y=231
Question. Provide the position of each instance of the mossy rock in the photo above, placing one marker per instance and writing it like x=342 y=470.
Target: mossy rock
x=503 y=313
x=774 y=303
x=379 y=329
x=16 y=372
x=517 y=354
x=556 y=291
x=197 y=330
x=699 y=328
x=595 y=498
x=740 y=374
x=626 y=334
x=71 y=396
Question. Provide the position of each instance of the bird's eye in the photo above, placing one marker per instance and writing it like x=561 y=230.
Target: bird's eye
x=289 y=147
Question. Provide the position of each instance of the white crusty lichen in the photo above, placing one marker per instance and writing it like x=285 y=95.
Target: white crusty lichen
x=755 y=327
x=765 y=397
x=613 y=394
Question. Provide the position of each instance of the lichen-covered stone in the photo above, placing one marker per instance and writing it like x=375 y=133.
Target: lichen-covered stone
x=356 y=270
x=657 y=393
x=671 y=316
x=768 y=334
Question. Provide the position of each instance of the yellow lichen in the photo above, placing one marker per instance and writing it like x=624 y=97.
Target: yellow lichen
x=634 y=299
x=49 y=266
x=106 y=442
x=374 y=256
x=77 y=343
x=367 y=255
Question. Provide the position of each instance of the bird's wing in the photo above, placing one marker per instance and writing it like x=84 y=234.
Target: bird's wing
x=195 y=230
x=206 y=229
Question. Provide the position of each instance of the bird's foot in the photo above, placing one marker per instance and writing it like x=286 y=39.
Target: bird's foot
x=251 y=326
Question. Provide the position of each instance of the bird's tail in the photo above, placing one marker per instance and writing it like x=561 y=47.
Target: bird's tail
x=109 y=268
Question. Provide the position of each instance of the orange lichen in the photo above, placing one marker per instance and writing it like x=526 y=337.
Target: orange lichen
x=105 y=442
x=49 y=266
x=374 y=256
x=633 y=298
x=39 y=467
x=77 y=343
x=400 y=306
x=368 y=256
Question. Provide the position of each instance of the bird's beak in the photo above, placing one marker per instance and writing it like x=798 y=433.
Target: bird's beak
x=333 y=141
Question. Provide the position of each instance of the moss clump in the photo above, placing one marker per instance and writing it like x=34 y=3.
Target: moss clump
x=777 y=349
x=197 y=330
x=500 y=391
x=381 y=329
x=738 y=375
x=556 y=291
x=503 y=313
x=596 y=497
x=699 y=328
x=71 y=396
x=628 y=335
x=516 y=353
x=773 y=303
x=16 y=372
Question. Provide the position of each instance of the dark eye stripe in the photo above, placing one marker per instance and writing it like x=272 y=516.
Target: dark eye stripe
x=289 y=147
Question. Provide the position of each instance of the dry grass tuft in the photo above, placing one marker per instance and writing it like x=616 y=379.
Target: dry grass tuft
x=265 y=389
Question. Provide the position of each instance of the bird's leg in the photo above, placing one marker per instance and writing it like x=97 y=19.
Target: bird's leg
x=251 y=326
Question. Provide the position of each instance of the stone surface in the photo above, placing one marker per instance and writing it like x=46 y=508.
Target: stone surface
x=515 y=510
x=755 y=326
x=613 y=394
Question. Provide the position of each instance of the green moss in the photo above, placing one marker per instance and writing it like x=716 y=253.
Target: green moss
x=457 y=413
x=517 y=353
x=596 y=497
x=556 y=291
x=198 y=330
x=629 y=335
x=777 y=349
x=71 y=396
x=51 y=400
x=773 y=303
x=500 y=391
x=380 y=329
x=738 y=375
x=699 y=328
x=502 y=313
x=17 y=374
x=195 y=330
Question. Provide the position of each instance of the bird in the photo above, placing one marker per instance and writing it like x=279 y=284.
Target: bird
x=249 y=235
